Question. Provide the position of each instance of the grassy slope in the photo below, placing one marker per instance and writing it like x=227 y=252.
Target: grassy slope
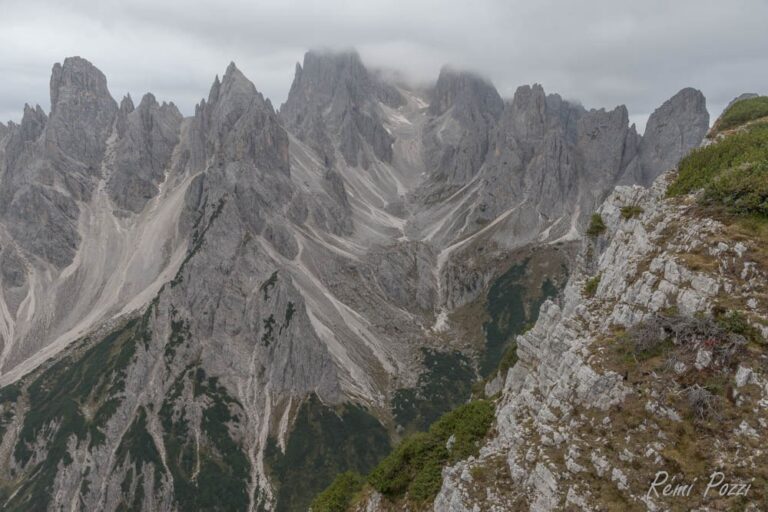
x=732 y=172
x=742 y=112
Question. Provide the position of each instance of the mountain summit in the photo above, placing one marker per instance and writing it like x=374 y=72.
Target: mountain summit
x=197 y=313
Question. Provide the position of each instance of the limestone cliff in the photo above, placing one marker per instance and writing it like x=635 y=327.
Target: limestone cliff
x=197 y=313
x=585 y=421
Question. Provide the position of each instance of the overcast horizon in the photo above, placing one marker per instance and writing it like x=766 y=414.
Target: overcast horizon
x=601 y=54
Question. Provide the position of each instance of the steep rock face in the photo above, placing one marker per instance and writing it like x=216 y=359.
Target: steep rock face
x=50 y=166
x=548 y=164
x=567 y=390
x=16 y=138
x=73 y=263
x=82 y=112
x=146 y=138
x=239 y=206
x=675 y=128
x=238 y=124
x=221 y=270
x=259 y=313
x=559 y=156
x=336 y=91
x=464 y=108
x=227 y=343
x=244 y=196
x=32 y=123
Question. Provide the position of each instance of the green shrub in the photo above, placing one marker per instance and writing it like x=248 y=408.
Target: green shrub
x=596 y=226
x=414 y=468
x=742 y=112
x=590 y=287
x=393 y=476
x=737 y=323
x=742 y=190
x=628 y=212
x=732 y=172
x=469 y=424
x=427 y=481
x=508 y=360
x=339 y=495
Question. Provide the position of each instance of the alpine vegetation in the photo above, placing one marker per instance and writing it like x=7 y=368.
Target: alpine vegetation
x=378 y=296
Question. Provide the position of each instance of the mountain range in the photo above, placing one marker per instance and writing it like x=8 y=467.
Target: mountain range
x=223 y=311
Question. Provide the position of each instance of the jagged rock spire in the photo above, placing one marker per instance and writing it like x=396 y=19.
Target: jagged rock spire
x=238 y=123
x=674 y=129
x=32 y=123
x=335 y=92
x=82 y=110
x=465 y=91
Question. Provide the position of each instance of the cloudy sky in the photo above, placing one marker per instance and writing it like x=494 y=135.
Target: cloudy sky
x=599 y=52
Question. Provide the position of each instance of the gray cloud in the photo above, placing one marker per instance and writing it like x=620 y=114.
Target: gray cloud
x=599 y=52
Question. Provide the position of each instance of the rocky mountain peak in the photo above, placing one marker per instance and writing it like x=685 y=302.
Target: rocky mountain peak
x=234 y=81
x=82 y=110
x=238 y=122
x=526 y=114
x=529 y=95
x=32 y=123
x=148 y=101
x=146 y=136
x=126 y=105
x=213 y=94
x=464 y=109
x=325 y=76
x=465 y=91
x=77 y=78
x=673 y=129
x=336 y=91
x=243 y=263
x=235 y=92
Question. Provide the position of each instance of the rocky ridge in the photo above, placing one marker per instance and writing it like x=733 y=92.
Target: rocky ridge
x=185 y=289
x=575 y=429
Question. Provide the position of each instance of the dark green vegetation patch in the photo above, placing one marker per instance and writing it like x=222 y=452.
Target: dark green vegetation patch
x=590 y=287
x=596 y=226
x=736 y=322
x=75 y=397
x=733 y=172
x=289 y=312
x=138 y=447
x=268 y=285
x=631 y=211
x=179 y=335
x=339 y=495
x=268 y=335
x=445 y=384
x=413 y=470
x=513 y=304
x=8 y=397
x=508 y=359
x=59 y=398
x=324 y=442
x=742 y=112
x=211 y=472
